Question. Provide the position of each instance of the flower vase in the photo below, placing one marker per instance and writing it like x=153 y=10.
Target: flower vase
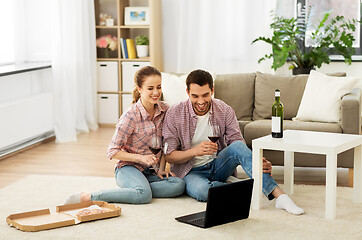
x=106 y=52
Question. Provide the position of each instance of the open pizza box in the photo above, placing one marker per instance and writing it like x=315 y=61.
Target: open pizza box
x=64 y=215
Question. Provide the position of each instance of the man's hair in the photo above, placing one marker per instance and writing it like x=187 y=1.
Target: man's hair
x=200 y=77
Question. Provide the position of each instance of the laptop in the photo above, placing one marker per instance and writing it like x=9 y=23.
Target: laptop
x=225 y=203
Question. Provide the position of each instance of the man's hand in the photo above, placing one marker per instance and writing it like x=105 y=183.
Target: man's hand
x=267 y=166
x=205 y=148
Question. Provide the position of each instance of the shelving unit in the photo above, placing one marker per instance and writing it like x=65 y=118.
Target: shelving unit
x=116 y=8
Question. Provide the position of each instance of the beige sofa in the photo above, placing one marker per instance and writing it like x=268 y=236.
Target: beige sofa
x=251 y=95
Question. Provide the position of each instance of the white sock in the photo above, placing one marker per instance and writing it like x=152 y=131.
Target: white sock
x=284 y=202
x=75 y=198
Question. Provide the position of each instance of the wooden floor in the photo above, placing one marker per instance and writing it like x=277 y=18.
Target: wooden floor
x=87 y=157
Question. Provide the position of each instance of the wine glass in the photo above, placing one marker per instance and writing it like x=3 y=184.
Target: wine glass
x=155 y=146
x=214 y=134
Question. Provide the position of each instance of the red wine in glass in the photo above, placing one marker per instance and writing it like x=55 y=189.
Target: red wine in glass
x=155 y=150
x=214 y=138
x=214 y=134
x=155 y=145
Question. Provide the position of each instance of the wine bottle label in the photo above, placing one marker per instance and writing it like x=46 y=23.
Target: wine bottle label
x=276 y=124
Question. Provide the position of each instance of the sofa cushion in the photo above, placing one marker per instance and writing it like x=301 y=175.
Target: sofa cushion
x=242 y=124
x=312 y=126
x=322 y=97
x=256 y=129
x=291 y=91
x=262 y=128
x=237 y=90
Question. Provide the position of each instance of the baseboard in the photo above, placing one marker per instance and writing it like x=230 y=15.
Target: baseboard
x=26 y=144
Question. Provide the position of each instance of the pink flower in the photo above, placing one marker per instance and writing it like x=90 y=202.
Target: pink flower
x=107 y=41
x=103 y=43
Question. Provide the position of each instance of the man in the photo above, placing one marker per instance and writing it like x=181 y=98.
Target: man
x=188 y=149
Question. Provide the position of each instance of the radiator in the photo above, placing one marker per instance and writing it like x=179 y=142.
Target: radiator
x=26 y=121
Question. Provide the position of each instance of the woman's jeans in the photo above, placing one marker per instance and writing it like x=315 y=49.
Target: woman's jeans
x=139 y=187
x=200 y=179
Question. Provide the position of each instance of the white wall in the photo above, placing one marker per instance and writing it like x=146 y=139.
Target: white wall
x=355 y=69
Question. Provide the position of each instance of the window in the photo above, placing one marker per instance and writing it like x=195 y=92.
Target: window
x=7 y=32
x=347 y=8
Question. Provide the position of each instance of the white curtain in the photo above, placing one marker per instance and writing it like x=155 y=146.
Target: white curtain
x=216 y=35
x=74 y=68
x=286 y=8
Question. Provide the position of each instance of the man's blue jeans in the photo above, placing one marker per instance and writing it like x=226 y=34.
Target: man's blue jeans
x=139 y=187
x=200 y=179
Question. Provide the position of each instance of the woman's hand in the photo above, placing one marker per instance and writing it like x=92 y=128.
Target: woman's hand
x=162 y=173
x=148 y=160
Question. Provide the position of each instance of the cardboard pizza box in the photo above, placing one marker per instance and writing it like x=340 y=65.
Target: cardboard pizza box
x=64 y=215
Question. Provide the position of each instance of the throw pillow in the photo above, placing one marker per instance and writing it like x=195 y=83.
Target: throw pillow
x=174 y=88
x=322 y=97
x=291 y=91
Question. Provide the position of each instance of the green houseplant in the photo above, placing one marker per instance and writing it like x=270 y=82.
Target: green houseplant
x=142 y=43
x=142 y=40
x=288 y=41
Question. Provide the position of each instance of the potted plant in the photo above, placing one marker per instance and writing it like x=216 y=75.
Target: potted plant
x=142 y=43
x=289 y=35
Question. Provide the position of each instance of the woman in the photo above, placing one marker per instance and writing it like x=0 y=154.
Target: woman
x=134 y=173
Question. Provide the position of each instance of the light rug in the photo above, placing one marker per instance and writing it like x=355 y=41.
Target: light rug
x=156 y=220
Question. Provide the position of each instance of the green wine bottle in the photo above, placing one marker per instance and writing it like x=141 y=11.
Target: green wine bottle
x=277 y=116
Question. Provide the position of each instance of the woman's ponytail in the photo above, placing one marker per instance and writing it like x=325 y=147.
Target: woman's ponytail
x=136 y=94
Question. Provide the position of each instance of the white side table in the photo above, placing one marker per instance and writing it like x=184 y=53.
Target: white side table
x=329 y=144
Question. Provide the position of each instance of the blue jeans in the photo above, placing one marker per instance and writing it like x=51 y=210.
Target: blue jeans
x=200 y=179
x=139 y=187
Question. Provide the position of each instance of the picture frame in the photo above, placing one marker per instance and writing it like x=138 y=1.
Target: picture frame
x=136 y=16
